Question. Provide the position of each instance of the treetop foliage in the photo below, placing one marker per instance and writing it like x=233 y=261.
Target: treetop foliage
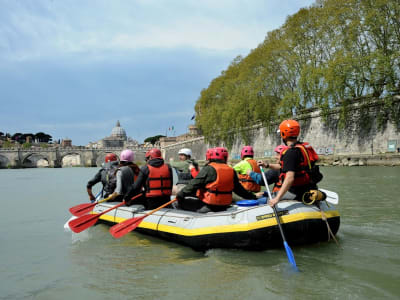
x=324 y=56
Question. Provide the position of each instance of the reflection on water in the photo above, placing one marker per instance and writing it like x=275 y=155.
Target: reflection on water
x=39 y=260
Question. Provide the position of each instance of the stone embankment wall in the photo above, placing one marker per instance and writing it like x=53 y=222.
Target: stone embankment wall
x=366 y=144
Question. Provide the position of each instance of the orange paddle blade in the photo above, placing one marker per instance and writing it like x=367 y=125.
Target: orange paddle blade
x=125 y=227
x=82 y=209
x=85 y=221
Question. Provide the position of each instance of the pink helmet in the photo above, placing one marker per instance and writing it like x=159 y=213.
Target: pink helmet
x=219 y=153
x=279 y=149
x=127 y=155
x=247 y=151
x=208 y=153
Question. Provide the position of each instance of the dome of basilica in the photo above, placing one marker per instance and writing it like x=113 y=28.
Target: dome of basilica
x=118 y=132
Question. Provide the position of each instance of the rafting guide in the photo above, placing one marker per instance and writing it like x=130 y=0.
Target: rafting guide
x=298 y=172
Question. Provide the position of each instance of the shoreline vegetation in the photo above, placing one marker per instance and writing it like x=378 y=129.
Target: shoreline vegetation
x=328 y=56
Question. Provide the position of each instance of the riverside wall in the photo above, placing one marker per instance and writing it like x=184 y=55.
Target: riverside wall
x=353 y=145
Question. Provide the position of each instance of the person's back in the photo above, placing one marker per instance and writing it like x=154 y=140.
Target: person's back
x=108 y=178
x=155 y=178
x=296 y=166
x=213 y=185
x=126 y=174
x=244 y=166
x=297 y=158
x=111 y=161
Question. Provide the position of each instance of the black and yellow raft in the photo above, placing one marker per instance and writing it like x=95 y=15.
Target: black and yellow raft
x=253 y=227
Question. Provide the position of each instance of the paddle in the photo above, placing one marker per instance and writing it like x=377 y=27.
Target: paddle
x=83 y=222
x=83 y=209
x=66 y=226
x=127 y=226
x=289 y=252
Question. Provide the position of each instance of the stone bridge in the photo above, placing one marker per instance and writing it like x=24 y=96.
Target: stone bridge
x=59 y=157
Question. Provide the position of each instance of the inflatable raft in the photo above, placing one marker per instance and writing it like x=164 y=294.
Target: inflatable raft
x=243 y=227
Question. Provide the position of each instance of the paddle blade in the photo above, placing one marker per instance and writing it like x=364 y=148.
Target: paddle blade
x=83 y=222
x=290 y=255
x=82 y=209
x=125 y=227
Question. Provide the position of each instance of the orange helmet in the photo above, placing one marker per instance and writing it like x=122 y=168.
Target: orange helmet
x=154 y=153
x=289 y=128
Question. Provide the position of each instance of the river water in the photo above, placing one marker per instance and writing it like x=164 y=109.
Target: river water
x=39 y=260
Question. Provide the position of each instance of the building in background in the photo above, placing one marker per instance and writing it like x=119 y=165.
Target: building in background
x=117 y=139
x=66 y=143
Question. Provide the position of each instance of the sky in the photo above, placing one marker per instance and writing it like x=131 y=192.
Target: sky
x=72 y=68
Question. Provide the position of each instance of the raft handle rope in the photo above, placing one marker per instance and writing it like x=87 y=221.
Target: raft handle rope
x=315 y=197
x=330 y=233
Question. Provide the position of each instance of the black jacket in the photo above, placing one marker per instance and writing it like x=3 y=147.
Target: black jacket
x=207 y=175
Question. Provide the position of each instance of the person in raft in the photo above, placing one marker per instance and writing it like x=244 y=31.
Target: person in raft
x=106 y=175
x=212 y=188
x=187 y=169
x=126 y=174
x=247 y=164
x=273 y=174
x=296 y=166
x=155 y=179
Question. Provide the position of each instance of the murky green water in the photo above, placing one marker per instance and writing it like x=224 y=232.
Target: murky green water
x=38 y=260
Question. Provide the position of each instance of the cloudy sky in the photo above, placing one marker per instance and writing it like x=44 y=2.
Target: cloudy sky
x=72 y=68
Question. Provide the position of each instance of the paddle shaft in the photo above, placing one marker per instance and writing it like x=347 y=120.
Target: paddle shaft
x=127 y=226
x=273 y=207
x=158 y=208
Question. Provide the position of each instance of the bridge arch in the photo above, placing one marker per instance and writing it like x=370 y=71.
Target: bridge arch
x=31 y=160
x=71 y=159
x=4 y=162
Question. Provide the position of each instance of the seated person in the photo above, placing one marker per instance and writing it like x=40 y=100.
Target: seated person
x=155 y=178
x=106 y=175
x=187 y=169
x=271 y=175
x=126 y=175
x=213 y=186
x=246 y=165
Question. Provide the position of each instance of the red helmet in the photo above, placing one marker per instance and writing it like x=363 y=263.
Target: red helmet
x=110 y=157
x=208 y=153
x=279 y=149
x=219 y=153
x=154 y=153
x=247 y=151
x=289 y=128
x=147 y=155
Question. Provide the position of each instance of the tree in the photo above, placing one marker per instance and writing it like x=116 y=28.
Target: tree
x=18 y=137
x=329 y=54
x=153 y=139
x=42 y=137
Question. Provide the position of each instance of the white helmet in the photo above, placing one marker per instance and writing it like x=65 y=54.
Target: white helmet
x=185 y=151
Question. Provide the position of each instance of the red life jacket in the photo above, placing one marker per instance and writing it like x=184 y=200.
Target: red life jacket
x=159 y=181
x=246 y=181
x=219 y=192
x=302 y=176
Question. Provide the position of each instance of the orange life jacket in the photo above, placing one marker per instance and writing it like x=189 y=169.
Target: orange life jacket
x=302 y=176
x=246 y=181
x=219 y=192
x=159 y=181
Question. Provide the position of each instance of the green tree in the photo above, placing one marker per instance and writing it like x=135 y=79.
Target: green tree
x=153 y=139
